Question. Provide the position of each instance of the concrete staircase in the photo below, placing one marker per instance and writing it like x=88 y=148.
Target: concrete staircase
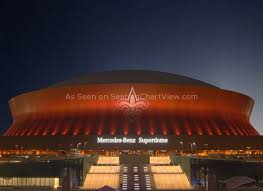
x=136 y=173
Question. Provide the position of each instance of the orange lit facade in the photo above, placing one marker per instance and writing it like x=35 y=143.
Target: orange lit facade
x=94 y=111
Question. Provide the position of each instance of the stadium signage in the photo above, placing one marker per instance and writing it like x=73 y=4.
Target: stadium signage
x=131 y=140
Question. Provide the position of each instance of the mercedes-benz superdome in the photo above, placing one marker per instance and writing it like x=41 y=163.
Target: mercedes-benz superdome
x=132 y=109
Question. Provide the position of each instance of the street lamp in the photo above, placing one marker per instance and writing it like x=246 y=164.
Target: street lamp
x=205 y=148
x=21 y=151
x=193 y=147
x=85 y=145
x=248 y=148
x=79 y=144
x=182 y=146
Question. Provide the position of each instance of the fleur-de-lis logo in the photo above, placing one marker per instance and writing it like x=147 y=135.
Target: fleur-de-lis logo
x=133 y=104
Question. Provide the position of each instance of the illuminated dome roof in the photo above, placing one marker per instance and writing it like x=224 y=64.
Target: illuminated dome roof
x=133 y=76
x=110 y=103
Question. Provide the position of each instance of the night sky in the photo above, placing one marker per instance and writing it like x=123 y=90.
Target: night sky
x=219 y=42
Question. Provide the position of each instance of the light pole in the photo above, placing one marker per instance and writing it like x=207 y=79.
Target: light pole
x=17 y=149
x=193 y=147
x=206 y=147
x=248 y=148
x=78 y=152
x=85 y=145
x=21 y=151
x=182 y=146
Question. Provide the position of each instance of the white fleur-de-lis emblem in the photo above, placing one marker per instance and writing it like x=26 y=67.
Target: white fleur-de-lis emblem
x=133 y=104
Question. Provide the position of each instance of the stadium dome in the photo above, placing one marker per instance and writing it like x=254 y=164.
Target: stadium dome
x=131 y=102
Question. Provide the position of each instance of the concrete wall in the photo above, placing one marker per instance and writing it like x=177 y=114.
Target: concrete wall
x=184 y=162
x=87 y=163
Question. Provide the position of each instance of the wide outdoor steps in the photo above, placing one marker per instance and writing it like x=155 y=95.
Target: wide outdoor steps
x=133 y=175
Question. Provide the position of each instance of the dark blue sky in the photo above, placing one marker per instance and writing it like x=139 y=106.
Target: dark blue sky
x=43 y=42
